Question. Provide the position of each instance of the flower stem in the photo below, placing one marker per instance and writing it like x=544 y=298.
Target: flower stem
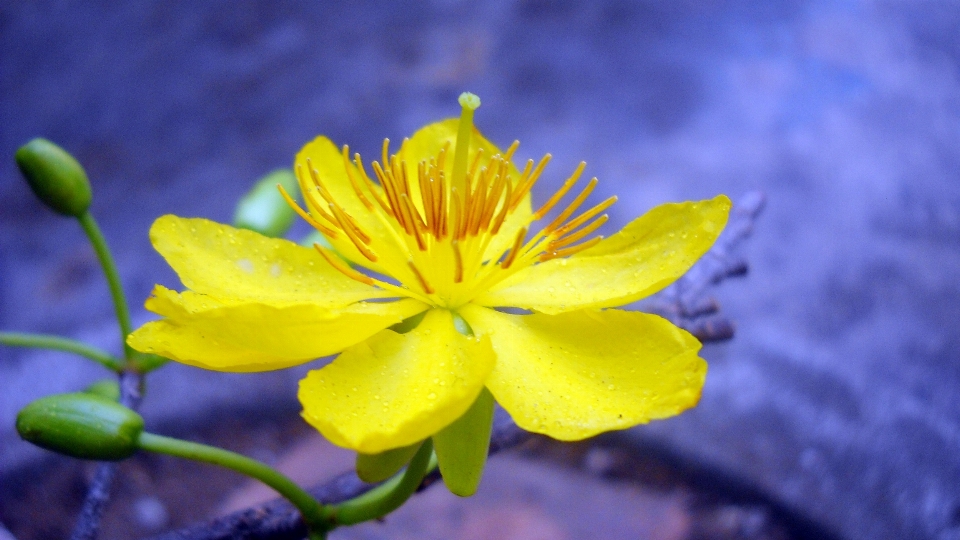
x=43 y=341
x=113 y=278
x=388 y=496
x=315 y=515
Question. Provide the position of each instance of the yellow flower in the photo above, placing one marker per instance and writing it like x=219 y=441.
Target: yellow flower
x=444 y=233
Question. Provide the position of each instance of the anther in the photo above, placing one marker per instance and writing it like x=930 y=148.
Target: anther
x=344 y=269
x=570 y=250
x=585 y=217
x=547 y=206
x=423 y=282
x=328 y=232
x=353 y=180
x=530 y=180
x=577 y=236
x=458 y=258
x=521 y=235
x=572 y=207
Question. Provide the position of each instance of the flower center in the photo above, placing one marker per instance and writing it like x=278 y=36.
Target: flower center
x=451 y=232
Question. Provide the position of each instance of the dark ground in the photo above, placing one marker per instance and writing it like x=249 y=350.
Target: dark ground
x=837 y=401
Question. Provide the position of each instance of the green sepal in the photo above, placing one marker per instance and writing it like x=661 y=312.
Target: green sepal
x=146 y=362
x=55 y=177
x=373 y=468
x=106 y=388
x=408 y=324
x=263 y=209
x=81 y=425
x=462 y=446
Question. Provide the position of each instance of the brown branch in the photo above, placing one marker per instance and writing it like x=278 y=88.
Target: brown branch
x=685 y=302
x=98 y=494
x=279 y=520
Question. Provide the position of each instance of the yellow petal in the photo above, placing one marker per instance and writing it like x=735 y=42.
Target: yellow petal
x=647 y=255
x=574 y=375
x=396 y=389
x=239 y=265
x=199 y=331
x=327 y=160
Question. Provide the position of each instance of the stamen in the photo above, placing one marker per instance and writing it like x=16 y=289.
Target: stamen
x=408 y=211
x=494 y=197
x=426 y=196
x=577 y=236
x=458 y=258
x=328 y=232
x=353 y=180
x=476 y=163
x=572 y=207
x=386 y=152
x=571 y=250
x=585 y=217
x=370 y=185
x=343 y=267
x=521 y=234
x=561 y=192
x=508 y=155
x=498 y=222
x=423 y=282
x=354 y=234
x=310 y=197
x=525 y=187
x=457 y=215
x=390 y=191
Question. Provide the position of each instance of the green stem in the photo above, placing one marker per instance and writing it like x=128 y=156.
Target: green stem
x=388 y=496
x=113 y=278
x=43 y=341
x=314 y=514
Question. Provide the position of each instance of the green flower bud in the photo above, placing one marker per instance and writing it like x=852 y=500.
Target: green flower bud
x=81 y=425
x=264 y=209
x=55 y=177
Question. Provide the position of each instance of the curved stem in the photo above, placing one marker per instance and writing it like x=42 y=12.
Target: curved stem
x=113 y=278
x=388 y=496
x=44 y=341
x=314 y=514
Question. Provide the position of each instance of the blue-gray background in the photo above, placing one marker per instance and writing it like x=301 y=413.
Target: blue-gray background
x=838 y=396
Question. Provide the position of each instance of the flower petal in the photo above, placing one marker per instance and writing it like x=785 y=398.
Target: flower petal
x=239 y=265
x=202 y=332
x=396 y=389
x=574 y=375
x=647 y=255
x=327 y=160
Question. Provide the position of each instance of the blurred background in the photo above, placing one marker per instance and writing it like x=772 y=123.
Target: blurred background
x=836 y=404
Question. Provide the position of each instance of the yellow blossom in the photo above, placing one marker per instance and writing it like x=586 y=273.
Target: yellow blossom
x=442 y=230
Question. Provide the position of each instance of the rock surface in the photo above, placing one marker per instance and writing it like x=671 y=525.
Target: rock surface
x=837 y=398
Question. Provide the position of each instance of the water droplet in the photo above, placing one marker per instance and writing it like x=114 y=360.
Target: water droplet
x=611 y=387
x=432 y=395
x=246 y=265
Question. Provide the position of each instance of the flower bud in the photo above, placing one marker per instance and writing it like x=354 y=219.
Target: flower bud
x=55 y=177
x=81 y=425
x=263 y=209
